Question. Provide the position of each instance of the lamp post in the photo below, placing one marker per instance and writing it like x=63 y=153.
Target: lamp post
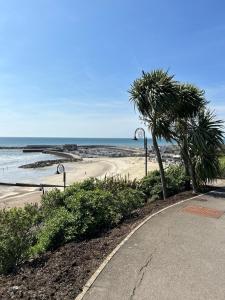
x=139 y=133
x=61 y=170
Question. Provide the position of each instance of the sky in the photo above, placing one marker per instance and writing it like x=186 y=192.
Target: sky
x=66 y=66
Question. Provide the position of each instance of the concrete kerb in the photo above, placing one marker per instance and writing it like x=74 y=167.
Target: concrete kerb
x=110 y=256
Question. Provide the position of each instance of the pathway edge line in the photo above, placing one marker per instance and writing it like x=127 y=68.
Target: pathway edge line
x=91 y=280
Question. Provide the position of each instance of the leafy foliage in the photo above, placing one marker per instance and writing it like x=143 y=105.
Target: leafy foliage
x=152 y=93
x=93 y=210
x=155 y=94
x=17 y=235
x=190 y=100
x=51 y=200
x=205 y=141
x=128 y=200
x=116 y=183
x=58 y=228
x=112 y=184
x=150 y=185
x=175 y=178
x=84 y=210
x=88 y=184
x=83 y=213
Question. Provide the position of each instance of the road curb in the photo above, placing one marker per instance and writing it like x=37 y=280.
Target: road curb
x=89 y=283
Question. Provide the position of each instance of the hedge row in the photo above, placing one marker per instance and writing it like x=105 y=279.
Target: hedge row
x=82 y=211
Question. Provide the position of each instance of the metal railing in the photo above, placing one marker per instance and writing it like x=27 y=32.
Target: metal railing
x=30 y=184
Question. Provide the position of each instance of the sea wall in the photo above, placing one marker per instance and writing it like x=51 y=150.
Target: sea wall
x=66 y=157
x=63 y=154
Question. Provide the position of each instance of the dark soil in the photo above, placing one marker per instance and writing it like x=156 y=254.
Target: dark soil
x=61 y=274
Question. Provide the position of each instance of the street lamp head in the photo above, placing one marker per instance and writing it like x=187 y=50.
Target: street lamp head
x=140 y=133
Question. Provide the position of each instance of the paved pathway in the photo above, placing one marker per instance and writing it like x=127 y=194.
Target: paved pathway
x=175 y=255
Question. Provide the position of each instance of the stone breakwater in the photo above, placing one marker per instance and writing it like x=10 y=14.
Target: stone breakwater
x=85 y=152
x=47 y=163
x=95 y=151
x=66 y=157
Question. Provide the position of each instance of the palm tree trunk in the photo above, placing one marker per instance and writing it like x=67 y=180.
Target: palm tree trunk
x=159 y=159
x=193 y=179
x=186 y=167
x=191 y=168
x=187 y=173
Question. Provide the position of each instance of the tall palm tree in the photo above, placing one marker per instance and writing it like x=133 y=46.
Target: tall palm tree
x=200 y=137
x=190 y=102
x=205 y=141
x=153 y=94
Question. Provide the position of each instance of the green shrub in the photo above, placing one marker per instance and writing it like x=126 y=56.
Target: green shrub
x=17 y=235
x=128 y=200
x=114 y=184
x=88 y=184
x=156 y=192
x=85 y=214
x=82 y=210
x=52 y=200
x=150 y=185
x=71 y=190
x=176 y=179
x=57 y=229
x=111 y=184
x=93 y=211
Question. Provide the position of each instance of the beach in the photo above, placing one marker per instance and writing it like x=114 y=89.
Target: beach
x=132 y=167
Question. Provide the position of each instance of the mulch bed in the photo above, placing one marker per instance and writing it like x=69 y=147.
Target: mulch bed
x=61 y=274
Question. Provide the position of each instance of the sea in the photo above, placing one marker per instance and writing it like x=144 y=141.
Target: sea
x=24 y=141
x=11 y=159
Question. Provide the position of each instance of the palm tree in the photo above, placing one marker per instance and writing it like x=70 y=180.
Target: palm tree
x=191 y=100
x=205 y=141
x=200 y=138
x=153 y=94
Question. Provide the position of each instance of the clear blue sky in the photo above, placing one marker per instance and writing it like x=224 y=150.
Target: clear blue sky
x=66 y=65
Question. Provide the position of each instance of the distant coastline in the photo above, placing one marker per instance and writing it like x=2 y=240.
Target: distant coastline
x=20 y=142
x=17 y=166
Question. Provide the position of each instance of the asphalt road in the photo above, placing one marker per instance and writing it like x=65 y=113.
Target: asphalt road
x=175 y=255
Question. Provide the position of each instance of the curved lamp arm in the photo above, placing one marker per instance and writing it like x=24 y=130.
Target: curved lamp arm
x=140 y=130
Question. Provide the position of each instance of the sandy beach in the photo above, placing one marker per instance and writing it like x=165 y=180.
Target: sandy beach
x=77 y=171
x=104 y=166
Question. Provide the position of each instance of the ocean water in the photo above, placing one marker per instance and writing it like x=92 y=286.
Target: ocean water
x=24 y=141
x=11 y=159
